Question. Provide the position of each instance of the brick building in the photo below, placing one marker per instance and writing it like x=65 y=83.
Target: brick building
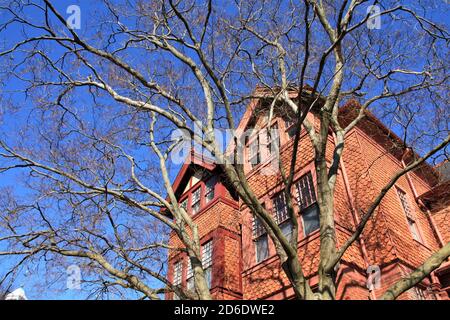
x=411 y=223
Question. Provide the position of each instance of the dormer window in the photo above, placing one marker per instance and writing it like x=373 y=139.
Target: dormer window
x=254 y=151
x=290 y=127
x=306 y=199
x=209 y=189
x=410 y=216
x=196 y=201
x=198 y=196
x=281 y=215
x=273 y=144
x=184 y=204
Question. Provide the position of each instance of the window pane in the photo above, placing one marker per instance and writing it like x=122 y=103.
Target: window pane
x=414 y=231
x=311 y=220
x=420 y=293
x=405 y=204
x=254 y=152
x=306 y=195
x=207 y=254
x=262 y=248
x=177 y=271
x=196 y=201
x=184 y=204
x=273 y=145
x=190 y=283
x=290 y=126
x=189 y=270
x=410 y=216
x=207 y=251
x=208 y=276
x=280 y=208
x=209 y=189
x=291 y=132
x=258 y=228
x=195 y=207
x=286 y=229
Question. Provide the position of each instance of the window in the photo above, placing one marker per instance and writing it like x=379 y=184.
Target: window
x=414 y=230
x=444 y=279
x=209 y=189
x=273 y=144
x=311 y=221
x=405 y=204
x=258 y=228
x=184 y=203
x=177 y=271
x=254 y=152
x=207 y=250
x=196 y=201
x=306 y=199
x=410 y=217
x=306 y=195
x=290 y=127
x=281 y=215
x=420 y=293
x=286 y=229
x=261 y=240
x=177 y=274
x=280 y=208
x=189 y=277
x=262 y=248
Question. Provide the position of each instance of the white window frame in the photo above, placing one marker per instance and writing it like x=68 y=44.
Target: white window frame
x=207 y=260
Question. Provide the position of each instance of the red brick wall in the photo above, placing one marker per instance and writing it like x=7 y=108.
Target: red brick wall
x=380 y=167
x=442 y=219
x=218 y=222
x=387 y=236
x=388 y=240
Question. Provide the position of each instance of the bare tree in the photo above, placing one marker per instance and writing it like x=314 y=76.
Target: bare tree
x=99 y=106
x=3 y=294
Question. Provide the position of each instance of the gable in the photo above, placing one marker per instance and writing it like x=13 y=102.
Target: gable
x=192 y=171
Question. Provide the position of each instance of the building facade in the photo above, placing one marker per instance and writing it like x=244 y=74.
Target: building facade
x=411 y=223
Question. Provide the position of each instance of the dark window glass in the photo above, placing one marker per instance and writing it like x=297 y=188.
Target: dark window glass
x=273 y=144
x=258 y=228
x=184 y=203
x=254 y=152
x=286 y=228
x=262 y=248
x=280 y=208
x=209 y=189
x=306 y=195
x=290 y=127
x=306 y=199
x=310 y=218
